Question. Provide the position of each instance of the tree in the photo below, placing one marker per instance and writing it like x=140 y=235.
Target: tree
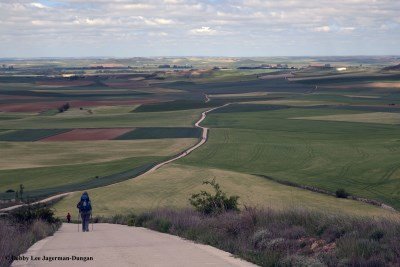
x=341 y=193
x=21 y=190
x=206 y=203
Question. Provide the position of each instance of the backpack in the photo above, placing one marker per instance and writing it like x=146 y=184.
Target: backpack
x=85 y=204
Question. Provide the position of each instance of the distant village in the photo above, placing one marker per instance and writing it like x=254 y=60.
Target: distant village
x=267 y=66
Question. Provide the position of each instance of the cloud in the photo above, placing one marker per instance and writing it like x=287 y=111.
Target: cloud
x=173 y=1
x=203 y=31
x=322 y=29
x=246 y=25
x=158 y=34
x=157 y=21
x=136 y=6
x=39 y=5
x=347 y=29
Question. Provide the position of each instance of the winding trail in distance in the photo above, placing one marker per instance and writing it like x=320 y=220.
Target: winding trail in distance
x=203 y=140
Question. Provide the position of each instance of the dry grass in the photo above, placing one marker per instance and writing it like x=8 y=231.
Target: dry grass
x=277 y=76
x=104 y=110
x=294 y=237
x=40 y=154
x=22 y=228
x=363 y=96
x=172 y=185
x=375 y=85
x=371 y=117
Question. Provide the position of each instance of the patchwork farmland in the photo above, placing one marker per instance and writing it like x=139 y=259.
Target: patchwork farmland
x=310 y=127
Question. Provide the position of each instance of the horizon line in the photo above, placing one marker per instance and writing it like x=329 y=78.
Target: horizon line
x=188 y=56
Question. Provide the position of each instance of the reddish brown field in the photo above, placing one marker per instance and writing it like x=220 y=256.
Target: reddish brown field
x=88 y=135
x=42 y=106
x=130 y=84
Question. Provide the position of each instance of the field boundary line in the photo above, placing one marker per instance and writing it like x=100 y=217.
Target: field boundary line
x=329 y=193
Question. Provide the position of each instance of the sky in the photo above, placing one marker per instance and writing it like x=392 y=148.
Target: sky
x=130 y=28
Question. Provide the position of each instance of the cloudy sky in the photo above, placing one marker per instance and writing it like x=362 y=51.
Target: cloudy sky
x=125 y=28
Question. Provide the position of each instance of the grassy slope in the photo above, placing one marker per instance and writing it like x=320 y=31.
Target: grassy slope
x=48 y=177
x=360 y=157
x=172 y=185
x=46 y=154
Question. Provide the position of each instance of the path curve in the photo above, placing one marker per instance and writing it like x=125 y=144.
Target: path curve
x=202 y=141
x=120 y=245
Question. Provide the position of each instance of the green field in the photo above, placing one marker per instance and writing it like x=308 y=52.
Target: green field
x=161 y=132
x=360 y=157
x=172 y=185
x=29 y=134
x=56 y=176
x=176 y=105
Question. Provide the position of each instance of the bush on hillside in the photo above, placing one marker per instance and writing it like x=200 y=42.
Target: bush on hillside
x=63 y=108
x=341 y=193
x=206 y=203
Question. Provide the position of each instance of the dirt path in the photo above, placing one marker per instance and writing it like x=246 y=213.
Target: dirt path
x=204 y=137
x=159 y=165
x=119 y=245
x=207 y=98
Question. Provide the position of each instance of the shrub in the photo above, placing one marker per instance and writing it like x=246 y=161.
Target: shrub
x=377 y=235
x=118 y=219
x=284 y=238
x=341 y=193
x=17 y=237
x=31 y=213
x=142 y=218
x=63 y=108
x=354 y=247
x=159 y=224
x=131 y=220
x=261 y=237
x=41 y=229
x=206 y=203
x=300 y=261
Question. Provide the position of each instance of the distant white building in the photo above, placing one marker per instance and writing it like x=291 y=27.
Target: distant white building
x=68 y=75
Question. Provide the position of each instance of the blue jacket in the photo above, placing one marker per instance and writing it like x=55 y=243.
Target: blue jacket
x=84 y=205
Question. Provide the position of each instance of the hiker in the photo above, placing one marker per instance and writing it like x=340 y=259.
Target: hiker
x=85 y=210
x=68 y=217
